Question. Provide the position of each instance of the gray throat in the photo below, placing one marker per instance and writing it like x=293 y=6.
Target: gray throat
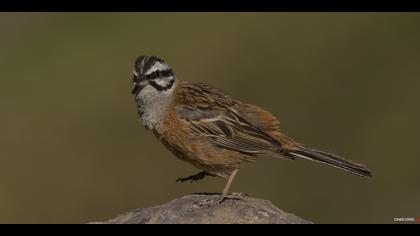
x=152 y=107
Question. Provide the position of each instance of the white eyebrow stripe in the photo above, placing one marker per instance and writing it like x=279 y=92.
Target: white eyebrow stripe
x=164 y=81
x=157 y=66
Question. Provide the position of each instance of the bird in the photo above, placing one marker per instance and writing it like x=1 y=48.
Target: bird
x=209 y=129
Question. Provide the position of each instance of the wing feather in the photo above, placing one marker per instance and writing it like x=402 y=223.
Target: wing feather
x=226 y=129
x=210 y=112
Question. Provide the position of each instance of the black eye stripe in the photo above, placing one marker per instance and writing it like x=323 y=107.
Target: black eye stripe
x=160 y=74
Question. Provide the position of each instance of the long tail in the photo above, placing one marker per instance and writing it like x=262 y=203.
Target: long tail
x=331 y=160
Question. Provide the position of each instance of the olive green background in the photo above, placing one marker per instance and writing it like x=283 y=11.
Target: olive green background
x=72 y=149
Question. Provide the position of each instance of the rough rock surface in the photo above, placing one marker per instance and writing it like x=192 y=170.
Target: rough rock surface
x=192 y=209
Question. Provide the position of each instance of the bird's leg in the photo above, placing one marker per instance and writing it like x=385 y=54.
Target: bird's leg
x=227 y=186
x=193 y=178
x=225 y=192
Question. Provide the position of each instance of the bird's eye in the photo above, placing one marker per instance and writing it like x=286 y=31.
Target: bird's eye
x=157 y=74
x=154 y=75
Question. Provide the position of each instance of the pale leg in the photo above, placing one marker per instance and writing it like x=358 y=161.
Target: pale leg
x=228 y=184
x=225 y=191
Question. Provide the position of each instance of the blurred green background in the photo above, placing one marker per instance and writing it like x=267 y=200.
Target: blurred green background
x=72 y=149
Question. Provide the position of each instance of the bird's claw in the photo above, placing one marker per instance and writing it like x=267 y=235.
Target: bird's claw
x=192 y=178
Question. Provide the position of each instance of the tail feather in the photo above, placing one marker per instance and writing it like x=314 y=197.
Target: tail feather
x=331 y=160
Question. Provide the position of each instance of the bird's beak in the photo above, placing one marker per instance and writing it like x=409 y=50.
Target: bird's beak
x=135 y=89
x=138 y=83
x=135 y=73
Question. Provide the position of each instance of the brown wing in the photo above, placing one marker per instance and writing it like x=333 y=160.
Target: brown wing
x=210 y=112
x=264 y=120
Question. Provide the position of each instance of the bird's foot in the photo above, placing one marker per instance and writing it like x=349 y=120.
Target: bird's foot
x=220 y=199
x=211 y=202
x=193 y=178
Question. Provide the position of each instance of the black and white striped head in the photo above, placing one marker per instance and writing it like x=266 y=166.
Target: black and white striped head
x=153 y=87
x=153 y=72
